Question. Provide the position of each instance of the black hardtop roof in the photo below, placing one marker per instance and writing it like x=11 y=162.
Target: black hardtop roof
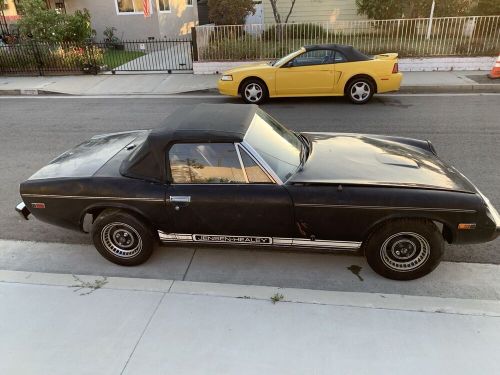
x=204 y=123
x=351 y=53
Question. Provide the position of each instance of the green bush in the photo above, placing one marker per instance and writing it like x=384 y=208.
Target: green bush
x=51 y=57
x=295 y=31
x=46 y=25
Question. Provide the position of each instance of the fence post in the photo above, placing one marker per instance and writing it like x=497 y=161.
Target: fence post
x=38 y=58
x=194 y=43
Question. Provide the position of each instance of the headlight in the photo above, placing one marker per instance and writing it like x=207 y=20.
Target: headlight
x=226 y=77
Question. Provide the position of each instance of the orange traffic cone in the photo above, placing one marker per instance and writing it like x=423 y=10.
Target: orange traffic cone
x=495 y=71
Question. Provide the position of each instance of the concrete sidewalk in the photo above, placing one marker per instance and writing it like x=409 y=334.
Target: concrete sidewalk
x=169 y=84
x=64 y=324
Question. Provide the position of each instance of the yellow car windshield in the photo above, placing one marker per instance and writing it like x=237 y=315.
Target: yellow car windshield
x=288 y=57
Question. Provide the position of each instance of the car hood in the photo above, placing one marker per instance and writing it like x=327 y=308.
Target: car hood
x=249 y=68
x=338 y=158
x=86 y=159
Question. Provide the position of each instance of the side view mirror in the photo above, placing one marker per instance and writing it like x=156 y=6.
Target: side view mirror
x=289 y=64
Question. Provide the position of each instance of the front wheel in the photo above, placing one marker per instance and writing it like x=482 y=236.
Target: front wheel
x=360 y=90
x=122 y=238
x=404 y=249
x=254 y=91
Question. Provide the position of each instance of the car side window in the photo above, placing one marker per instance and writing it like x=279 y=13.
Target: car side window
x=316 y=57
x=254 y=172
x=339 y=57
x=205 y=163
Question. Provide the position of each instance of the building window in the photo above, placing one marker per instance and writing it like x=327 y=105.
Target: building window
x=129 y=6
x=60 y=7
x=164 y=5
x=189 y=3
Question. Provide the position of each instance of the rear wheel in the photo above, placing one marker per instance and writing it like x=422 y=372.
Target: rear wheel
x=404 y=249
x=254 y=91
x=360 y=90
x=122 y=238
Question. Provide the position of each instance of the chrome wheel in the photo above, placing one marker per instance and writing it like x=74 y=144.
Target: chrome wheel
x=121 y=240
x=253 y=92
x=360 y=91
x=405 y=251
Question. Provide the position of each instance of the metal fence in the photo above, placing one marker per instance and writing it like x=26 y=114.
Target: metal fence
x=445 y=36
x=36 y=58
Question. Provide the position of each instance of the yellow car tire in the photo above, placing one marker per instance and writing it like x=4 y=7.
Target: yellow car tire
x=360 y=90
x=254 y=91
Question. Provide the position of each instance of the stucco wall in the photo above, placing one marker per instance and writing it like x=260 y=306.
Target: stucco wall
x=179 y=21
x=173 y=24
x=314 y=11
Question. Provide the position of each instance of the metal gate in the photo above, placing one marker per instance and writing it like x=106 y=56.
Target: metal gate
x=152 y=55
x=37 y=58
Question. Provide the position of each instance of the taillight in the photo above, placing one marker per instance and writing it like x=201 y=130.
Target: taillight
x=395 y=68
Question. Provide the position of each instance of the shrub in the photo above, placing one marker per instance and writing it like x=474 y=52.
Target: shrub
x=295 y=31
x=230 y=12
x=47 y=25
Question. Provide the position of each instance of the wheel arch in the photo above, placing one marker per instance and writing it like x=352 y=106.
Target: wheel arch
x=91 y=213
x=444 y=227
x=244 y=80
x=361 y=75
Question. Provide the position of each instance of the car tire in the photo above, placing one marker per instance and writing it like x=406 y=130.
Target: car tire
x=122 y=238
x=360 y=90
x=254 y=91
x=404 y=249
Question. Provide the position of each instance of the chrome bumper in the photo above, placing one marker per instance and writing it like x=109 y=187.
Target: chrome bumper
x=23 y=210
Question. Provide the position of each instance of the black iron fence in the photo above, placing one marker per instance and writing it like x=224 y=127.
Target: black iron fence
x=36 y=58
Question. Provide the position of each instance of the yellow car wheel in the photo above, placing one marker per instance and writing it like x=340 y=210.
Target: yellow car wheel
x=254 y=91
x=360 y=90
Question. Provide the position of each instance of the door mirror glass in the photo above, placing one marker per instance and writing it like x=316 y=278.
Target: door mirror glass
x=205 y=163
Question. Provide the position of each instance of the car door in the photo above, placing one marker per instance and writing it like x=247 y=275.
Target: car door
x=341 y=72
x=311 y=73
x=213 y=198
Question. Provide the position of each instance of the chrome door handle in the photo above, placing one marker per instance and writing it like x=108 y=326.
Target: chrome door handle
x=180 y=198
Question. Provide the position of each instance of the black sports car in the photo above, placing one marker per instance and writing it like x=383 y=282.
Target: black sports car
x=231 y=174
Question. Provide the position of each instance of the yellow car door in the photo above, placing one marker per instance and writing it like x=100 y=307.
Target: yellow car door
x=342 y=70
x=311 y=73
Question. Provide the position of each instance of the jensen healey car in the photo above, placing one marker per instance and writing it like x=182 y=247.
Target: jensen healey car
x=317 y=70
x=231 y=174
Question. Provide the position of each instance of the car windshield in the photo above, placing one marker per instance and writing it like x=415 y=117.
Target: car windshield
x=287 y=57
x=278 y=146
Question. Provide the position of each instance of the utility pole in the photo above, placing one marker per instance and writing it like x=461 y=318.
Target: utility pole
x=429 y=29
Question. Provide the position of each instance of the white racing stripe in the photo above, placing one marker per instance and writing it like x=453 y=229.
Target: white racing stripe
x=259 y=241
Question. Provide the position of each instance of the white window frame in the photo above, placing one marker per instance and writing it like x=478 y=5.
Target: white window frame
x=165 y=11
x=151 y=8
x=189 y=5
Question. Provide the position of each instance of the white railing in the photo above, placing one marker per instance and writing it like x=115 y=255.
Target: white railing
x=444 y=36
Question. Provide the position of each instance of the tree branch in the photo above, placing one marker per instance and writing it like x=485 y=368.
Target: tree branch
x=290 y=12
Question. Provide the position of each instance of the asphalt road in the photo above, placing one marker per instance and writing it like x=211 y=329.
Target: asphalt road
x=465 y=130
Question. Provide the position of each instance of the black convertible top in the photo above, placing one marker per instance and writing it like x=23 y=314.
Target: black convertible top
x=351 y=53
x=204 y=123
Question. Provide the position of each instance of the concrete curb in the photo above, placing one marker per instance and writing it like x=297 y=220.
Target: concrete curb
x=409 y=89
x=29 y=92
x=467 y=88
x=291 y=295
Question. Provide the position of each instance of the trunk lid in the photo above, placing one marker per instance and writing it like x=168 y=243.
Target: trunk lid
x=386 y=56
x=87 y=158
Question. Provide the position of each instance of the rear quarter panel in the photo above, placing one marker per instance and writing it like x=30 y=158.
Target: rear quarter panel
x=379 y=70
x=67 y=200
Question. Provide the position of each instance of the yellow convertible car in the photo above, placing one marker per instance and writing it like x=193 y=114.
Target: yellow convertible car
x=316 y=70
